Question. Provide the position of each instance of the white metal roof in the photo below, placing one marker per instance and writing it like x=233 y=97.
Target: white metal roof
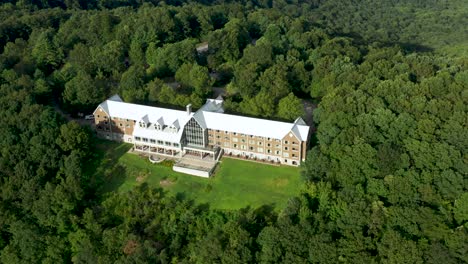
x=207 y=119
x=148 y=113
x=250 y=126
x=164 y=135
x=213 y=105
x=151 y=115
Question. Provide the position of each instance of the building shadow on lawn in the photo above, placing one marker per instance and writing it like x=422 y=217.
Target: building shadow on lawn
x=106 y=174
x=113 y=178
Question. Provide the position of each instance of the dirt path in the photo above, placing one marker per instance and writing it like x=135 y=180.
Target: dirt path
x=68 y=117
x=309 y=109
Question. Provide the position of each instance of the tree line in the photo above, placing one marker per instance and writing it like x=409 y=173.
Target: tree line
x=384 y=183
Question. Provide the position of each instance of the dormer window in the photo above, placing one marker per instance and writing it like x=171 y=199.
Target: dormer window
x=173 y=129
x=144 y=122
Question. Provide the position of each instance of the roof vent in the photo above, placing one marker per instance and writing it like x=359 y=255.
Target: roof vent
x=189 y=109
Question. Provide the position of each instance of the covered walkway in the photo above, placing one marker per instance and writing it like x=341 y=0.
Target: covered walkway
x=169 y=152
x=196 y=152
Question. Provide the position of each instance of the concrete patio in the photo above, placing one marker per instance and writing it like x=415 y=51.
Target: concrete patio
x=193 y=164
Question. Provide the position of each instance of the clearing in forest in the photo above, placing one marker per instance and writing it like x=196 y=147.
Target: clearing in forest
x=235 y=184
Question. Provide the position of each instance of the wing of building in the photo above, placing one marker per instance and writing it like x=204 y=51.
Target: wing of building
x=206 y=131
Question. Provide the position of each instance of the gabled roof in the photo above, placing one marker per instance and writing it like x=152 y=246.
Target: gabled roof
x=300 y=121
x=200 y=118
x=213 y=105
x=103 y=105
x=145 y=119
x=160 y=121
x=300 y=131
x=250 y=126
x=209 y=116
x=116 y=98
x=176 y=124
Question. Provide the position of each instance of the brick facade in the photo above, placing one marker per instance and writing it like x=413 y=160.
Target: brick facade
x=289 y=149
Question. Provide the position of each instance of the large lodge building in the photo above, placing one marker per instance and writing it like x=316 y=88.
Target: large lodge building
x=206 y=132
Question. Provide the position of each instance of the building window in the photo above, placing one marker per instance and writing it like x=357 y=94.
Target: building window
x=286 y=155
x=243 y=147
x=294 y=163
x=259 y=149
x=99 y=115
x=268 y=145
x=251 y=136
x=278 y=152
x=251 y=142
x=210 y=135
x=234 y=133
x=251 y=148
x=294 y=155
x=127 y=125
x=152 y=141
x=285 y=142
x=268 y=151
x=285 y=148
x=218 y=136
x=260 y=143
x=243 y=140
x=138 y=138
x=145 y=139
x=105 y=122
x=235 y=140
x=176 y=144
x=235 y=145
x=226 y=138
x=225 y=132
x=269 y=139
x=194 y=133
x=294 y=149
x=167 y=143
x=226 y=144
x=160 y=142
x=218 y=143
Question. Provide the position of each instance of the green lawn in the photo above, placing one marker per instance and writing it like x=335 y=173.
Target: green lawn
x=236 y=184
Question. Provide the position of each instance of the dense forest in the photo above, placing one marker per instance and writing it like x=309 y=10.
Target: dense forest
x=385 y=180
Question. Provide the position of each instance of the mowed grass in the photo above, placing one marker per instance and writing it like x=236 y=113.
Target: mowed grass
x=236 y=184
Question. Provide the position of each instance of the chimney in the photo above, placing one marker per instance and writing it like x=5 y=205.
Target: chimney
x=189 y=109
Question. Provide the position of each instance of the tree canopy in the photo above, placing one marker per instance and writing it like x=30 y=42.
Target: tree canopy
x=385 y=180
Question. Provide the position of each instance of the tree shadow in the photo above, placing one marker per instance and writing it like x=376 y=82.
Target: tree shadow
x=105 y=173
x=406 y=46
